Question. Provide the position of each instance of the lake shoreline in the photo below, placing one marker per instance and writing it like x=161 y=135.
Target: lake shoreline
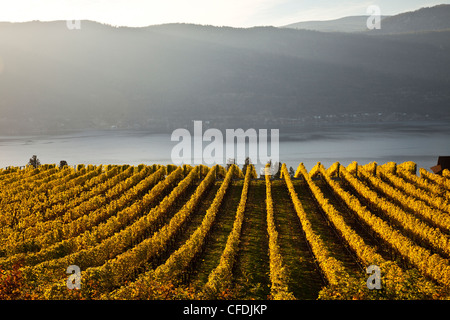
x=421 y=142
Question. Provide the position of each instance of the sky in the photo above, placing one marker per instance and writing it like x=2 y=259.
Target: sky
x=234 y=13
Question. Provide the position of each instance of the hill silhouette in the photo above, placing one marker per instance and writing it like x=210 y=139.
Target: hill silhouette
x=345 y=24
x=161 y=77
x=435 y=18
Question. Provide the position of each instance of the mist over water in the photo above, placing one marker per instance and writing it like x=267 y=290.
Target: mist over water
x=418 y=142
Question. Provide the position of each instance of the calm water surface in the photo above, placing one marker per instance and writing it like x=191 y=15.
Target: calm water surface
x=418 y=142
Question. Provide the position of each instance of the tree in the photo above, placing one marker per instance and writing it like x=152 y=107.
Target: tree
x=62 y=164
x=34 y=161
x=291 y=172
x=230 y=162
x=246 y=164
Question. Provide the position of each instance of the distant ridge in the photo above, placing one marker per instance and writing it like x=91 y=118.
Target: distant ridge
x=346 y=24
x=162 y=77
x=426 y=19
x=435 y=18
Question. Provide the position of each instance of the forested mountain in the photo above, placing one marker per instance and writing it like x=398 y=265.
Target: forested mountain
x=435 y=18
x=160 y=77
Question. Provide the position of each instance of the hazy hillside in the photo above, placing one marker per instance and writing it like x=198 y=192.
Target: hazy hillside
x=426 y=19
x=435 y=18
x=160 y=77
x=346 y=24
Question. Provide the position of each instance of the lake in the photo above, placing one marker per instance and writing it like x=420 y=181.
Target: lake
x=364 y=143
